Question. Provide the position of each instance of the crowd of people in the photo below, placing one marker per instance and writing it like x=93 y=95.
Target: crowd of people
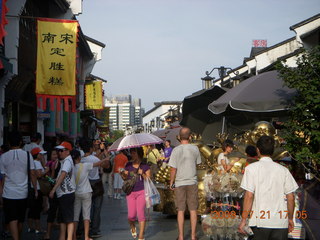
x=73 y=176
x=78 y=174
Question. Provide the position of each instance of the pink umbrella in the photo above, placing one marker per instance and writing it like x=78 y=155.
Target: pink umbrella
x=134 y=140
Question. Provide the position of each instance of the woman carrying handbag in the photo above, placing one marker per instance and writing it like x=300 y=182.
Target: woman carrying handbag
x=136 y=201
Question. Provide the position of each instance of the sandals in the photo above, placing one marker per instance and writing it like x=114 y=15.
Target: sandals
x=134 y=234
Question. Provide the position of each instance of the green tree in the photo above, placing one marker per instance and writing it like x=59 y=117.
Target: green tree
x=114 y=135
x=302 y=134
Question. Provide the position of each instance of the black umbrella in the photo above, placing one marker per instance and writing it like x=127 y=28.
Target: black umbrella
x=195 y=113
x=261 y=93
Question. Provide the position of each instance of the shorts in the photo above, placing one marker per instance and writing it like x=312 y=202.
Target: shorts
x=82 y=202
x=186 y=195
x=66 y=208
x=270 y=233
x=14 y=209
x=118 y=181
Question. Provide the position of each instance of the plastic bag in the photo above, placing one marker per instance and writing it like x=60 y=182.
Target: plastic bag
x=151 y=193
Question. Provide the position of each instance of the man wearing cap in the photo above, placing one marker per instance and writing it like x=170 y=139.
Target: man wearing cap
x=35 y=206
x=65 y=189
x=14 y=167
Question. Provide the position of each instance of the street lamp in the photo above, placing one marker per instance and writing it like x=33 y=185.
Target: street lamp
x=169 y=117
x=222 y=73
x=207 y=81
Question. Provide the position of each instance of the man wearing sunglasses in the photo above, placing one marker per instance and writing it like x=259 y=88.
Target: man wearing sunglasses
x=65 y=187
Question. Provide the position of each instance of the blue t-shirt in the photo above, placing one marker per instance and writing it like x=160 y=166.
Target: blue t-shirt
x=167 y=153
x=139 y=184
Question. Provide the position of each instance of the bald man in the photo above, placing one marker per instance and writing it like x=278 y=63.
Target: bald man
x=183 y=180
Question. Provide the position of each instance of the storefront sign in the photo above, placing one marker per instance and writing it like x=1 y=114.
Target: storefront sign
x=56 y=60
x=43 y=115
x=94 y=95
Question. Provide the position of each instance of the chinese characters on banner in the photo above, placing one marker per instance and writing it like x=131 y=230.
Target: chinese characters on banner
x=56 y=62
x=94 y=95
x=259 y=43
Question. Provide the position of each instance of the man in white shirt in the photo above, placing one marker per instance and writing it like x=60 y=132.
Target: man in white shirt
x=35 y=142
x=269 y=196
x=65 y=187
x=14 y=168
x=97 y=187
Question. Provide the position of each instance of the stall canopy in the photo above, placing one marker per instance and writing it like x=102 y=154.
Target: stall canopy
x=170 y=133
x=261 y=93
x=195 y=113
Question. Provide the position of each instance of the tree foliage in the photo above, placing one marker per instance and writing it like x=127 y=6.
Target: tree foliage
x=302 y=134
x=114 y=135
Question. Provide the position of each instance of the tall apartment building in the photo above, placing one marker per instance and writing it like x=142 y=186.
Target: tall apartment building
x=124 y=112
x=138 y=112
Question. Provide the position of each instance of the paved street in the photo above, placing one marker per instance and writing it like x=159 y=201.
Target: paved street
x=114 y=224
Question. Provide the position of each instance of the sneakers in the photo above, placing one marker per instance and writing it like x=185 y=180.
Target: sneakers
x=119 y=197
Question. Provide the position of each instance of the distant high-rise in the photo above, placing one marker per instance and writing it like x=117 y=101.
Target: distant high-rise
x=124 y=112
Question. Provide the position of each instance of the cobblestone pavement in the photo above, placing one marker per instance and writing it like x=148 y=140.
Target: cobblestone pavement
x=114 y=225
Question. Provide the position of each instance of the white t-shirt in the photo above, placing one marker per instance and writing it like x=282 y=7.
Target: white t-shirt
x=221 y=156
x=28 y=147
x=83 y=185
x=185 y=158
x=270 y=183
x=94 y=173
x=68 y=185
x=13 y=165
x=38 y=166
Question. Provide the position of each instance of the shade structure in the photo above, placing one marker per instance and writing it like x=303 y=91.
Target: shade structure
x=172 y=135
x=195 y=113
x=134 y=140
x=169 y=134
x=161 y=133
x=261 y=93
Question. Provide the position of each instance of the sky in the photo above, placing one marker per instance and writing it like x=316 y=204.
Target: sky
x=158 y=50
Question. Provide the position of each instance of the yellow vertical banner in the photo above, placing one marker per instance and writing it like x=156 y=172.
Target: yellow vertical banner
x=56 y=58
x=94 y=95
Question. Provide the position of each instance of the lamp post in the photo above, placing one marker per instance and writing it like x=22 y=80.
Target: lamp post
x=222 y=73
x=207 y=81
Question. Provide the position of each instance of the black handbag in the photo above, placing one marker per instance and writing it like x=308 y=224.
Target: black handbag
x=109 y=169
x=128 y=184
x=45 y=186
x=97 y=188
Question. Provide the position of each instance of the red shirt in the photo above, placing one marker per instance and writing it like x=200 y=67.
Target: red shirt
x=120 y=161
